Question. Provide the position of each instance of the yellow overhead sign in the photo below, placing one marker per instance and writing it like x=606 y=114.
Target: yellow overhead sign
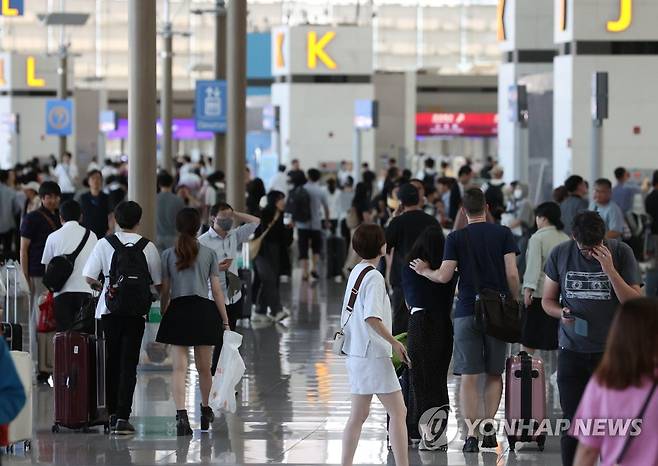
x=501 y=20
x=625 y=17
x=30 y=73
x=315 y=50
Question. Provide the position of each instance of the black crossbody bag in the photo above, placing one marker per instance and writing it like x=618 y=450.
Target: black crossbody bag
x=60 y=268
x=497 y=314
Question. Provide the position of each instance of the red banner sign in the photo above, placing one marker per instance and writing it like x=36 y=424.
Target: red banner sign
x=456 y=124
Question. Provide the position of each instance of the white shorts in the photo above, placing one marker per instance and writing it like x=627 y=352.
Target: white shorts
x=371 y=376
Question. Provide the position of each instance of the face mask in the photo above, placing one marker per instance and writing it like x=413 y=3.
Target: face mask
x=225 y=223
x=518 y=194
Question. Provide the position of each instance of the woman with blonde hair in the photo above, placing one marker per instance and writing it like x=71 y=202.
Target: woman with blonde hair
x=190 y=319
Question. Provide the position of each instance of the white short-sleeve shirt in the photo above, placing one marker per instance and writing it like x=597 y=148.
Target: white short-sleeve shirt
x=101 y=259
x=372 y=301
x=65 y=241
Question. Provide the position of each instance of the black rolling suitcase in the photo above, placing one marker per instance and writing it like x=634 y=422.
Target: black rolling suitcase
x=247 y=298
x=336 y=251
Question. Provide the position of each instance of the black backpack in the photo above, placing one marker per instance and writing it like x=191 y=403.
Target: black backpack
x=60 y=268
x=129 y=289
x=299 y=204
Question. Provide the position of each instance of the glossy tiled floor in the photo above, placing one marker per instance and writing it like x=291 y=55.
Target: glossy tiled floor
x=293 y=403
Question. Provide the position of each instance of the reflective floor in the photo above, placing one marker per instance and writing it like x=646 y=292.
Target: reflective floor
x=293 y=404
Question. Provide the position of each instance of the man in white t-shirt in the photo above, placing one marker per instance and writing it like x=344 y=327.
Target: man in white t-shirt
x=225 y=241
x=66 y=173
x=123 y=334
x=76 y=291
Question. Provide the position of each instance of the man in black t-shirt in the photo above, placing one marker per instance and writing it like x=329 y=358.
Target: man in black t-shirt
x=35 y=228
x=401 y=234
x=486 y=256
x=95 y=205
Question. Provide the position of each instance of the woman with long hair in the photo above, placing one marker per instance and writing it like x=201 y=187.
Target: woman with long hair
x=540 y=330
x=366 y=321
x=623 y=389
x=430 y=334
x=190 y=319
x=276 y=238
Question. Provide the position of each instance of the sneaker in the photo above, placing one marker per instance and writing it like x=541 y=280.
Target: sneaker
x=257 y=318
x=282 y=314
x=489 y=441
x=284 y=279
x=183 y=428
x=43 y=378
x=123 y=427
x=315 y=276
x=338 y=279
x=471 y=445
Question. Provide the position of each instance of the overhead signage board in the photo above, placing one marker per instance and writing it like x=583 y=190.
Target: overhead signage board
x=59 y=117
x=107 y=121
x=210 y=106
x=457 y=124
x=365 y=114
x=605 y=20
x=11 y=8
x=22 y=72
x=321 y=50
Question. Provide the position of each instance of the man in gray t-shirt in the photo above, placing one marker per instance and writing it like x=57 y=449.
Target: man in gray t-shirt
x=310 y=233
x=609 y=211
x=167 y=207
x=586 y=280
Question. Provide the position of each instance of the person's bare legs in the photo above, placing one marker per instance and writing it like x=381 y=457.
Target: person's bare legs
x=316 y=263
x=469 y=399
x=179 y=357
x=359 y=411
x=304 y=264
x=397 y=411
x=203 y=360
x=493 y=391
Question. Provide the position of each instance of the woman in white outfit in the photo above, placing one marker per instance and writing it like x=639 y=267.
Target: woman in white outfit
x=369 y=345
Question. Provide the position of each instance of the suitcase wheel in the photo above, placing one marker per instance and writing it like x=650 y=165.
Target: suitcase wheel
x=55 y=428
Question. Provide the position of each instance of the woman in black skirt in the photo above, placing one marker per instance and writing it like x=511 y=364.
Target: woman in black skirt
x=540 y=330
x=189 y=317
x=430 y=336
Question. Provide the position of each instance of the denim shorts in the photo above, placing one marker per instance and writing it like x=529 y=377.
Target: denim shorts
x=474 y=352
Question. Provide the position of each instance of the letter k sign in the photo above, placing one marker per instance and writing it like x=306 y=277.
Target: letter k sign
x=316 y=50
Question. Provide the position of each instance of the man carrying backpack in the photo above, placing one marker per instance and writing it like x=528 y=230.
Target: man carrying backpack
x=130 y=264
x=307 y=204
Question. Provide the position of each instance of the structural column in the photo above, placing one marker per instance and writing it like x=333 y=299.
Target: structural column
x=62 y=93
x=219 y=139
x=166 y=100
x=237 y=94
x=142 y=111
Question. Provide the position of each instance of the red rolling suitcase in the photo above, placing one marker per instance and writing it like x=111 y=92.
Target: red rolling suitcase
x=525 y=399
x=79 y=381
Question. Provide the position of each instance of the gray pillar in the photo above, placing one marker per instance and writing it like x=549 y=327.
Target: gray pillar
x=62 y=93
x=219 y=139
x=142 y=104
x=237 y=93
x=166 y=98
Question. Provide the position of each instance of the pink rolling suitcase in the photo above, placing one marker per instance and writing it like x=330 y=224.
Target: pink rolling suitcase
x=525 y=399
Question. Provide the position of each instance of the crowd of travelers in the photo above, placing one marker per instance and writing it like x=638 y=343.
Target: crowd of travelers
x=415 y=251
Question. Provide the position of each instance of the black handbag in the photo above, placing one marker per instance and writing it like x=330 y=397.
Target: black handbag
x=497 y=314
x=60 y=268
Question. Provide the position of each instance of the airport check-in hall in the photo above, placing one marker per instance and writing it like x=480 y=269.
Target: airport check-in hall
x=307 y=232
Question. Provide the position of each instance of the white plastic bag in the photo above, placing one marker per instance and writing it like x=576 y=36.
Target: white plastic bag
x=12 y=274
x=230 y=370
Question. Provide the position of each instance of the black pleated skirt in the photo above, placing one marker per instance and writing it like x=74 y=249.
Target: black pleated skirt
x=539 y=330
x=191 y=321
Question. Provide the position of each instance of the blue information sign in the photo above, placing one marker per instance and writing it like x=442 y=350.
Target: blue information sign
x=59 y=117
x=210 y=106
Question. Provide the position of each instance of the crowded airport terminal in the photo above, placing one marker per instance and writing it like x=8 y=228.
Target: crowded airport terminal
x=343 y=232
